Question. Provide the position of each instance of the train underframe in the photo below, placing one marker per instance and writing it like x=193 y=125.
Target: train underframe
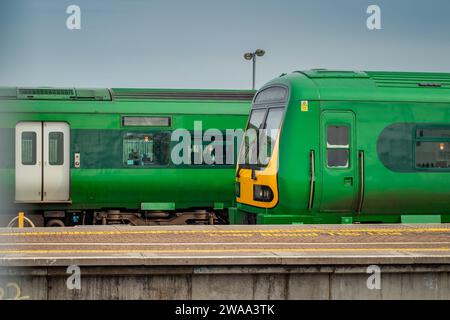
x=62 y=218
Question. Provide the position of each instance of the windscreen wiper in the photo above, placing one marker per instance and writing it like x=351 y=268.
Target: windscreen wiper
x=253 y=173
x=238 y=172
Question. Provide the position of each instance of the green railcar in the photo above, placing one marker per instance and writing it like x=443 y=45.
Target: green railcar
x=90 y=156
x=351 y=147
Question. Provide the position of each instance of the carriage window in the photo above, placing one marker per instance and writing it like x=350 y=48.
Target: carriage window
x=432 y=155
x=338 y=147
x=138 y=150
x=432 y=148
x=56 y=148
x=146 y=121
x=411 y=147
x=28 y=148
x=142 y=149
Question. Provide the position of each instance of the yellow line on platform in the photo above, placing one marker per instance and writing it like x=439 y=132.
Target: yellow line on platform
x=150 y=244
x=235 y=231
x=442 y=249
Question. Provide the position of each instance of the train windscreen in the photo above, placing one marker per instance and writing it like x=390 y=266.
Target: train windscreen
x=260 y=136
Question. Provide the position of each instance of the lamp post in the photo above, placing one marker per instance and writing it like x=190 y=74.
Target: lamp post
x=252 y=56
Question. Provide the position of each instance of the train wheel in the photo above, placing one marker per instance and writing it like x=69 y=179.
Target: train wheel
x=55 y=223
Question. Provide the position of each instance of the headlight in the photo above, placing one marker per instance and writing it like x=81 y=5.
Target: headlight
x=262 y=193
x=237 y=189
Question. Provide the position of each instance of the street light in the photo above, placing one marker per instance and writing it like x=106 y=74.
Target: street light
x=252 y=56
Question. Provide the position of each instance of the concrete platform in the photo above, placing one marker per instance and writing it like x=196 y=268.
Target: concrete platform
x=226 y=245
x=229 y=262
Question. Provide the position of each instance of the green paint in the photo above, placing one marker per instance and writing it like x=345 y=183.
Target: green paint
x=159 y=206
x=420 y=219
x=218 y=206
x=346 y=220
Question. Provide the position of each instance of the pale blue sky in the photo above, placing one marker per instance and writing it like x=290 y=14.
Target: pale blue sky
x=200 y=43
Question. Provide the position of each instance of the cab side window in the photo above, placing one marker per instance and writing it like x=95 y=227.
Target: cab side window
x=338 y=146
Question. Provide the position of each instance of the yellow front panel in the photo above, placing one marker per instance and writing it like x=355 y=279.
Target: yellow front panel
x=265 y=177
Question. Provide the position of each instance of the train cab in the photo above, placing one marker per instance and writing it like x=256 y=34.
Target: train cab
x=325 y=146
x=256 y=177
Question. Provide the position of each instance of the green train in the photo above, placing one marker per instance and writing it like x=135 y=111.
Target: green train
x=329 y=147
x=347 y=147
x=104 y=156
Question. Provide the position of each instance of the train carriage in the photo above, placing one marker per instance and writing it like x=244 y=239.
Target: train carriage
x=347 y=147
x=99 y=156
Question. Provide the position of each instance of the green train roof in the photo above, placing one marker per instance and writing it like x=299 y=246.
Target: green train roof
x=126 y=94
x=322 y=84
x=181 y=94
x=131 y=101
x=48 y=93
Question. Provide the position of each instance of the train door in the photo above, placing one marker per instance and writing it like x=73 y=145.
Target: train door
x=29 y=161
x=42 y=162
x=338 y=161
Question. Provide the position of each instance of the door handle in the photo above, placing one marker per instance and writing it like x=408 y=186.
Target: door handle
x=348 y=181
x=361 y=182
x=312 y=180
